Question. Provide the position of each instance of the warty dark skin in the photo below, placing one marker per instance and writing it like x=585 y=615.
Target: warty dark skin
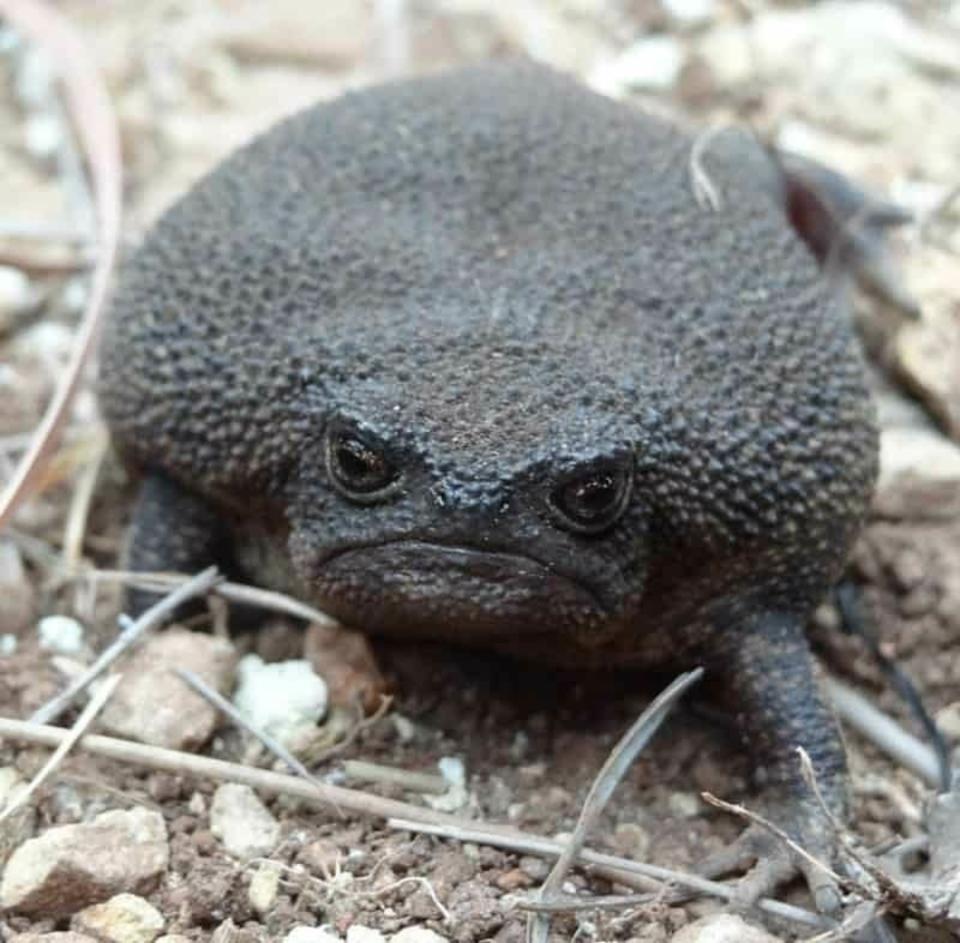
x=472 y=357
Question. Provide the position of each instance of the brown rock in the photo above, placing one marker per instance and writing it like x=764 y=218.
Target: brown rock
x=154 y=706
x=125 y=918
x=74 y=866
x=344 y=659
x=16 y=591
x=321 y=857
x=928 y=353
x=64 y=937
x=333 y=34
x=19 y=825
x=514 y=880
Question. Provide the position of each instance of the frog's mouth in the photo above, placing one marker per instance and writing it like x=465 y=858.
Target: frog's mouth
x=463 y=593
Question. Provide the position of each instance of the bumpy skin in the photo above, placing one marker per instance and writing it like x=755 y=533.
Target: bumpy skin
x=504 y=280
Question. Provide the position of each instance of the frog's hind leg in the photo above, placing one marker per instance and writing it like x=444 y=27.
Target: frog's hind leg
x=766 y=666
x=845 y=227
x=173 y=530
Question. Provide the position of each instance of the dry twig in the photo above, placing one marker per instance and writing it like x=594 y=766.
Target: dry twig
x=704 y=189
x=87 y=716
x=621 y=758
x=96 y=127
x=378 y=773
x=42 y=263
x=79 y=511
x=622 y=870
x=400 y=815
x=132 y=631
x=884 y=732
x=223 y=705
x=756 y=819
x=364 y=723
x=233 y=592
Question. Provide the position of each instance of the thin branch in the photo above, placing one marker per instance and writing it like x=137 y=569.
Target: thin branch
x=222 y=704
x=43 y=263
x=28 y=230
x=234 y=592
x=401 y=815
x=568 y=904
x=132 y=631
x=623 y=870
x=756 y=819
x=365 y=723
x=79 y=511
x=884 y=732
x=95 y=124
x=406 y=779
x=621 y=758
x=704 y=189
x=890 y=891
x=87 y=716
x=175 y=761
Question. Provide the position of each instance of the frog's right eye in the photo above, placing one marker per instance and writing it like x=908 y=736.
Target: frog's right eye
x=358 y=467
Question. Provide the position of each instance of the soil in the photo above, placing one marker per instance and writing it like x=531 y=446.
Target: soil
x=191 y=79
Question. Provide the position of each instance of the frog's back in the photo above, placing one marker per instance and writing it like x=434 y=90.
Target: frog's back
x=504 y=194
x=495 y=206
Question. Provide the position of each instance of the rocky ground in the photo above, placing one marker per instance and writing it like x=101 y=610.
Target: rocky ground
x=118 y=852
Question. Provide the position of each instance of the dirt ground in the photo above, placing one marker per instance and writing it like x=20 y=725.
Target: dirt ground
x=871 y=88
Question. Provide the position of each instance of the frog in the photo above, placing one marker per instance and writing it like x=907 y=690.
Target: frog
x=490 y=358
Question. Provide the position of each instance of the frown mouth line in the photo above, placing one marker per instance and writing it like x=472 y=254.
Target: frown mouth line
x=467 y=558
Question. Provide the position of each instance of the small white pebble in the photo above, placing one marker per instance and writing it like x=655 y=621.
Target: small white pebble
x=75 y=294
x=8 y=644
x=417 y=935
x=684 y=805
x=360 y=934
x=16 y=292
x=456 y=796
x=311 y=935
x=652 y=63
x=404 y=727
x=43 y=134
x=690 y=12
x=282 y=698
x=61 y=634
x=264 y=887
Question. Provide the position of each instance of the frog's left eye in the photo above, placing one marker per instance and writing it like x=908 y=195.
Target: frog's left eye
x=358 y=467
x=592 y=502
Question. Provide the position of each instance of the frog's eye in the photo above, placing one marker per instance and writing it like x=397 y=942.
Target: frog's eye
x=591 y=502
x=358 y=468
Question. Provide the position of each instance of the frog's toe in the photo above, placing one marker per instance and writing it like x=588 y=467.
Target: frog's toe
x=766 y=863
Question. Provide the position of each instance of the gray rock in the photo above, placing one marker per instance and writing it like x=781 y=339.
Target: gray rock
x=242 y=822
x=722 y=928
x=73 y=866
x=19 y=825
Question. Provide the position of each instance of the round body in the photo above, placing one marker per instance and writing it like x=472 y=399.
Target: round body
x=470 y=356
